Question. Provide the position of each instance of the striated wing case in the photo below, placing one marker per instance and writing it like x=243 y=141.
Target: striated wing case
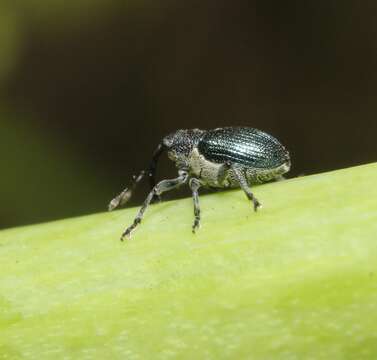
x=242 y=145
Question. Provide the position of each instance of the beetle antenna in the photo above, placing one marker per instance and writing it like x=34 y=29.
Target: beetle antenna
x=153 y=165
x=126 y=194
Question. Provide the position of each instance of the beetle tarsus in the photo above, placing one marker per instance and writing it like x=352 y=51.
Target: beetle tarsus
x=256 y=204
x=124 y=235
x=240 y=176
x=127 y=233
x=196 y=225
x=253 y=199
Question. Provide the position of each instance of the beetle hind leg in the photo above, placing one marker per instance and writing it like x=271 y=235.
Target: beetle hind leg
x=241 y=179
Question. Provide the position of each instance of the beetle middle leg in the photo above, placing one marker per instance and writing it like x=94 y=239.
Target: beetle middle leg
x=241 y=178
x=161 y=187
x=223 y=172
x=194 y=186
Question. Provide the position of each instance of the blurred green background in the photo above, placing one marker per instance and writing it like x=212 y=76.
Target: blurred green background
x=89 y=87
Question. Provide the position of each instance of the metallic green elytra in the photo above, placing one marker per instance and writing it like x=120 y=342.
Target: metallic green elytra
x=226 y=157
x=246 y=146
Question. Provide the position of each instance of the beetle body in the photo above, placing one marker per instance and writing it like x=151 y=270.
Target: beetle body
x=203 y=153
x=228 y=157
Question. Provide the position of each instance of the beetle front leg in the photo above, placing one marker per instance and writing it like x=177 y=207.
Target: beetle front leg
x=161 y=187
x=195 y=185
x=241 y=178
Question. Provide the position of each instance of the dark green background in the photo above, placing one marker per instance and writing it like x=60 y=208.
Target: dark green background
x=90 y=87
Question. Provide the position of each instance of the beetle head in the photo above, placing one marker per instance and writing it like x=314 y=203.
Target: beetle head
x=180 y=143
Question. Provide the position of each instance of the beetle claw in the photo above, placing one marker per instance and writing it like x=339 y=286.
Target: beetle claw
x=126 y=234
x=257 y=205
x=196 y=226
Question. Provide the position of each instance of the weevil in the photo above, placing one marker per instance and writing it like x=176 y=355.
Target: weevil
x=228 y=157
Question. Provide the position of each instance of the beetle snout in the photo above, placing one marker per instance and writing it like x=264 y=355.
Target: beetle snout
x=168 y=141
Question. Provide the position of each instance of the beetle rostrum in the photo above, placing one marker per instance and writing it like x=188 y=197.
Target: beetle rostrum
x=229 y=157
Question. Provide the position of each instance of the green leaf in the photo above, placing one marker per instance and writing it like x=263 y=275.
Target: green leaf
x=297 y=280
